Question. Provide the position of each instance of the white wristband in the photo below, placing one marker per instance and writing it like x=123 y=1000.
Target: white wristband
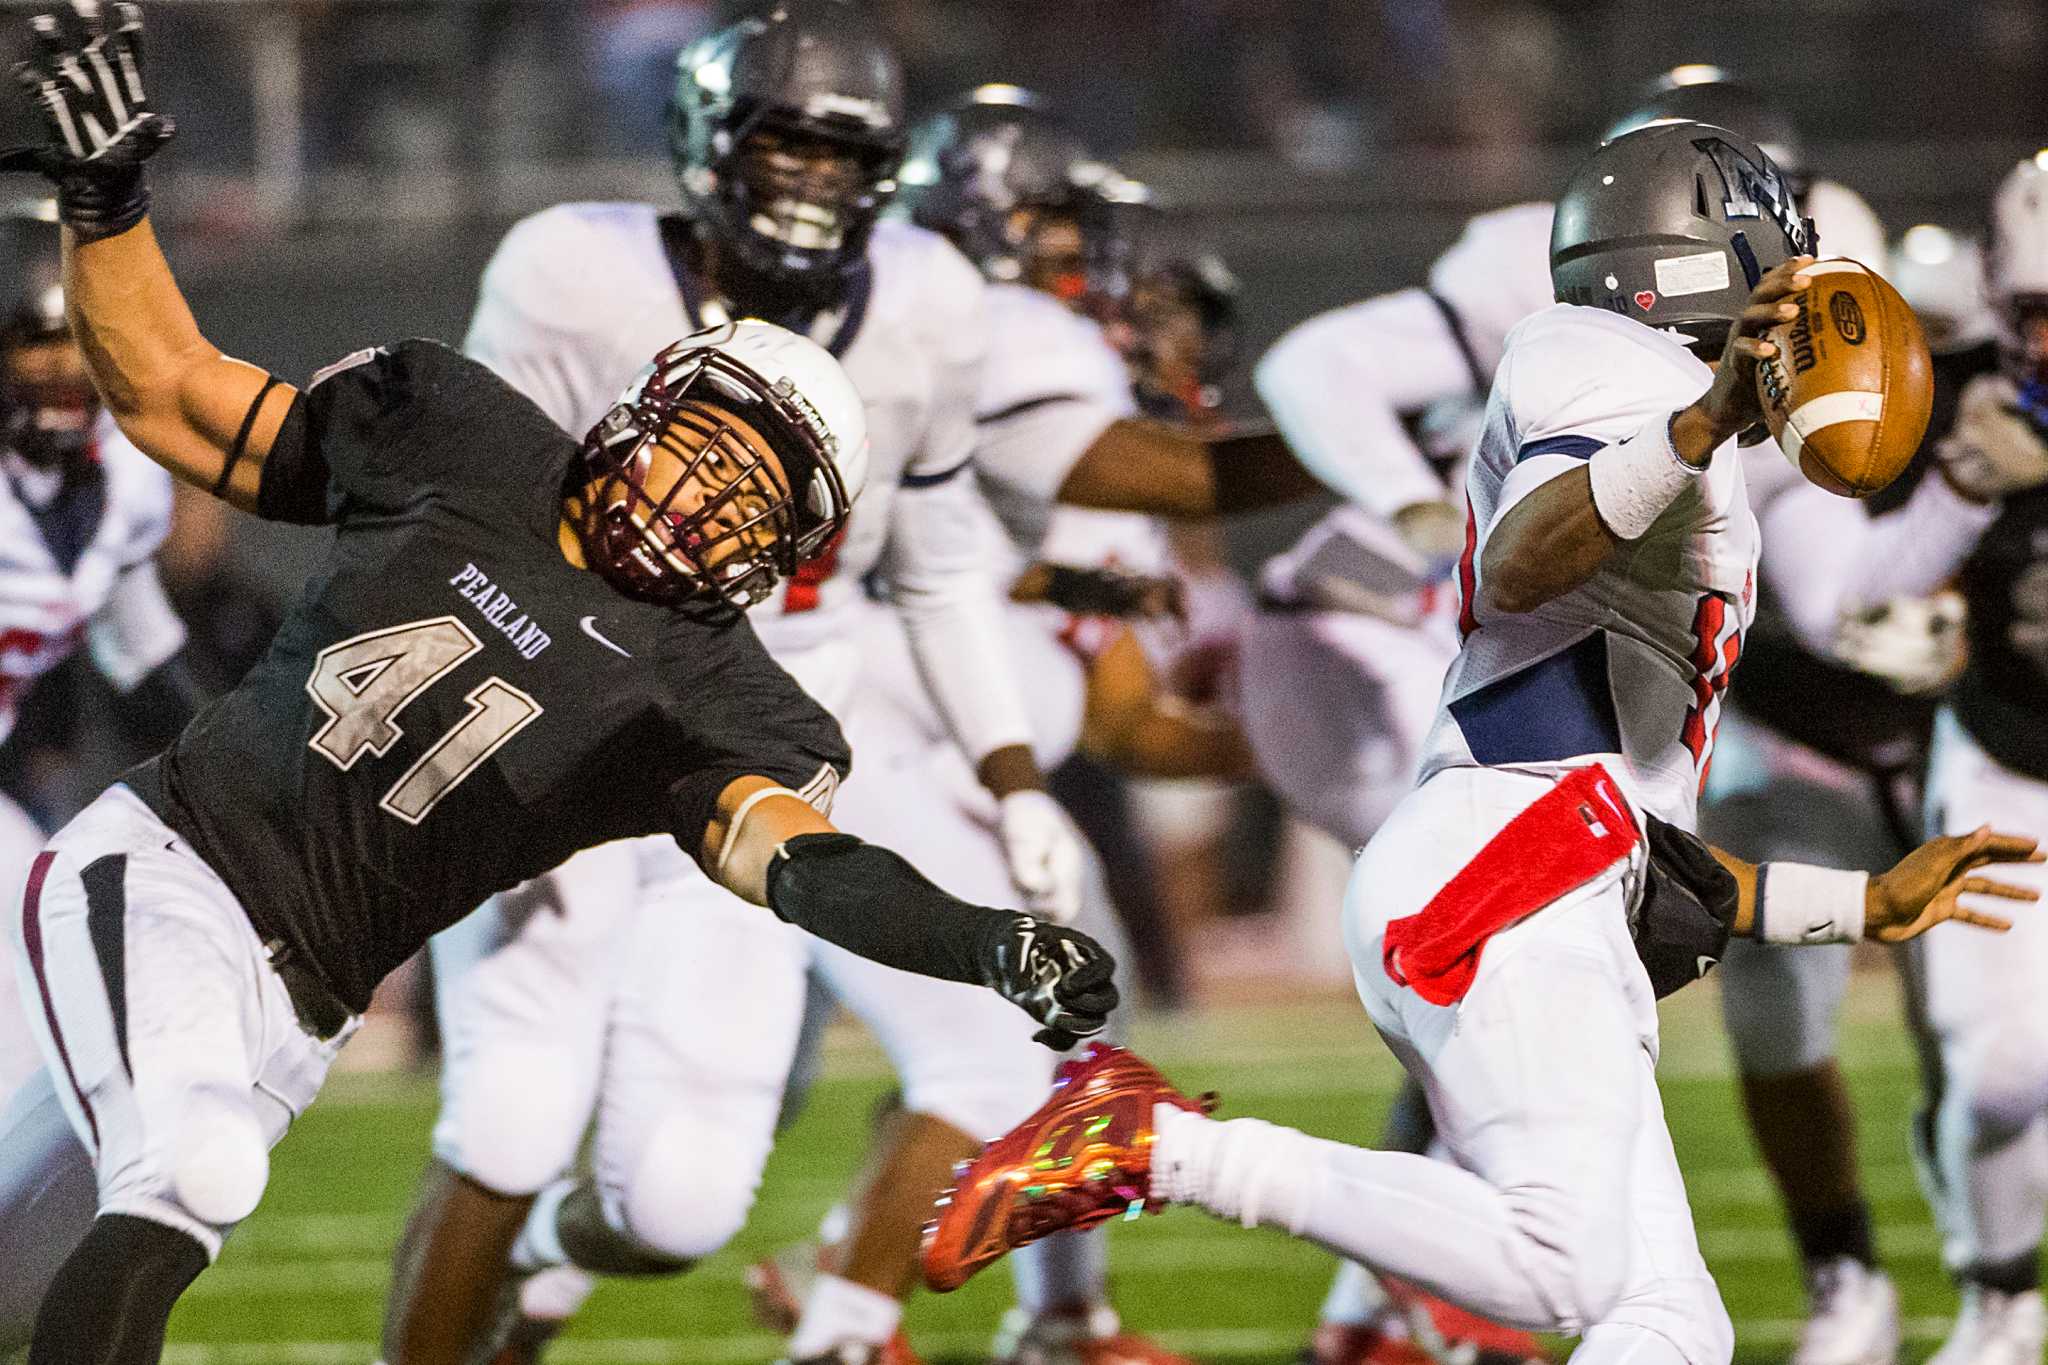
x=1637 y=477
x=1801 y=903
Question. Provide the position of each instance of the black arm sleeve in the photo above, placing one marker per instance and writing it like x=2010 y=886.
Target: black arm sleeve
x=872 y=902
x=295 y=476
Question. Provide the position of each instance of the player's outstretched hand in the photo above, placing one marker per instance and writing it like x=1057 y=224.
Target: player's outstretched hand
x=1730 y=405
x=1060 y=977
x=1926 y=886
x=86 y=80
x=1995 y=449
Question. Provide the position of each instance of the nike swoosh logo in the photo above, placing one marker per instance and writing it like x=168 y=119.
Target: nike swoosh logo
x=589 y=624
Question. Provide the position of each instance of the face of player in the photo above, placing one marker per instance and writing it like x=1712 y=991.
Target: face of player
x=700 y=510
x=802 y=189
x=2029 y=358
x=715 y=484
x=47 y=400
x=1054 y=253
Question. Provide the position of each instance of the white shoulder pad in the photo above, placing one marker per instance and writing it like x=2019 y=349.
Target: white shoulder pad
x=1847 y=225
x=1040 y=348
x=556 y=266
x=1589 y=372
x=1496 y=274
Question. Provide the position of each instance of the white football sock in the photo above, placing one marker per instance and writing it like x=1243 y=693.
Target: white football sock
x=1068 y=1270
x=1429 y=1223
x=839 y=1312
x=539 y=1244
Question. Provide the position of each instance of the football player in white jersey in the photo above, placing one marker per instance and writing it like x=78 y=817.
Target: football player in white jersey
x=82 y=513
x=1010 y=185
x=1981 y=519
x=1345 y=387
x=1511 y=923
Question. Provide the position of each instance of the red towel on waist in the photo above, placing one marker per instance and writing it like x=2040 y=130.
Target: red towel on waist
x=1570 y=835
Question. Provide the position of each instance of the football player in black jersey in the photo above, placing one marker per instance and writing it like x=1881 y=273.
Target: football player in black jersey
x=1981 y=518
x=519 y=646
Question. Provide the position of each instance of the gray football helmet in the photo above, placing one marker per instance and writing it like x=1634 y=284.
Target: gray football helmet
x=1672 y=225
x=972 y=168
x=46 y=415
x=800 y=71
x=1709 y=94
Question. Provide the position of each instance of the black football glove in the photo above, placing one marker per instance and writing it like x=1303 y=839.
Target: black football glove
x=86 y=81
x=1059 y=977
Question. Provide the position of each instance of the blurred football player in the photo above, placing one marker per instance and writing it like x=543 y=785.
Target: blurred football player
x=1345 y=388
x=86 y=512
x=199 y=942
x=1981 y=519
x=1513 y=920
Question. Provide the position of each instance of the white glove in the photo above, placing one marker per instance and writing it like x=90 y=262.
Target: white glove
x=1913 y=643
x=1044 y=850
x=1993 y=449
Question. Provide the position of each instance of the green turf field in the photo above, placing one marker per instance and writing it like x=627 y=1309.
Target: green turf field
x=303 y=1281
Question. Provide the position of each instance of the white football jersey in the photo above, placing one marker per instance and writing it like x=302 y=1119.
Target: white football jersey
x=580 y=297
x=1631 y=666
x=75 y=566
x=1051 y=384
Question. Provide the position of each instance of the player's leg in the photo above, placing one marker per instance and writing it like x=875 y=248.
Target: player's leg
x=180 y=1059
x=702 y=1031
x=20 y=841
x=522 y=988
x=1982 y=1003
x=1769 y=800
x=1563 y=1213
x=47 y=1198
x=1563 y=1210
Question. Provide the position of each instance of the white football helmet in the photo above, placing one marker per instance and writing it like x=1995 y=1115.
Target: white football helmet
x=2016 y=265
x=1941 y=274
x=785 y=387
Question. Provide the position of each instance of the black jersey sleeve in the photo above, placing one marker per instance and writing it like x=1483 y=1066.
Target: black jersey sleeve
x=378 y=428
x=746 y=717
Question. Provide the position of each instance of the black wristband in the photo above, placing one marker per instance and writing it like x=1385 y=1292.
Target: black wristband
x=872 y=902
x=103 y=204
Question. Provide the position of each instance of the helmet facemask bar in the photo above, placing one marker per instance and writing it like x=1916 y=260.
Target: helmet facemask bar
x=794 y=216
x=751 y=524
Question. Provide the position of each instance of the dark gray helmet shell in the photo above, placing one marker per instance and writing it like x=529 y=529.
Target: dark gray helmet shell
x=1707 y=94
x=1672 y=225
x=32 y=265
x=998 y=150
x=816 y=67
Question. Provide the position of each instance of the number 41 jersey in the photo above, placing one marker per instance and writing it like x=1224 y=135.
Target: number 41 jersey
x=451 y=707
x=1631 y=665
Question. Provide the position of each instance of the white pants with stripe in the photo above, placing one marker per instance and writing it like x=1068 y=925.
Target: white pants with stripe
x=172 y=1046
x=1984 y=999
x=1560 y=1206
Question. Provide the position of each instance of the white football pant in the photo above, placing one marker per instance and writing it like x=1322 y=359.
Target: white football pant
x=1985 y=1003
x=1560 y=1207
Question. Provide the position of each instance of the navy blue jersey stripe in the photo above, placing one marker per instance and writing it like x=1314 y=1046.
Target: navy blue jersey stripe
x=1481 y=380
x=1561 y=707
x=1578 y=447
x=936 y=478
x=1022 y=406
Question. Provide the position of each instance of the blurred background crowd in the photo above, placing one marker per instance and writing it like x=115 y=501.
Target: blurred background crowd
x=345 y=167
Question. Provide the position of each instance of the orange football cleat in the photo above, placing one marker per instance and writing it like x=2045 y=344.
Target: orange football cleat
x=1447 y=1331
x=1083 y=1158
x=1362 y=1343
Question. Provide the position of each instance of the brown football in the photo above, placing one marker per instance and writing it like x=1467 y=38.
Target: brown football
x=1848 y=392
